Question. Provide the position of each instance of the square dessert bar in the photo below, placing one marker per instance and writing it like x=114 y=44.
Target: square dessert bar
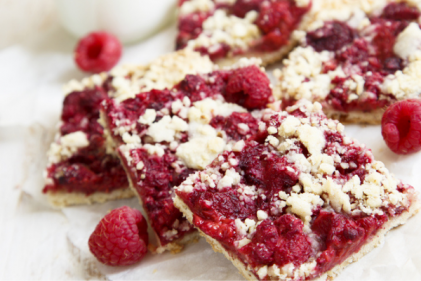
x=162 y=136
x=227 y=30
x=82 y=165
x=297 y=201
x=356 y=58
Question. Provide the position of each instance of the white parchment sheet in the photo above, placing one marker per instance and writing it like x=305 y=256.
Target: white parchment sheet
x=46 y=65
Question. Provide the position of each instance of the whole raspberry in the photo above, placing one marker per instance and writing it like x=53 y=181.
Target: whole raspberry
x=97 y=52
x=249 y=87
x=120 y=238
x=401 y=126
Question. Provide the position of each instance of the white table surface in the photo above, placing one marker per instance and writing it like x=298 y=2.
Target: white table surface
x=38 y=242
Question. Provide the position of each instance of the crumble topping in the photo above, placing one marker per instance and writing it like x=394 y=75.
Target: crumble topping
x=66 y=146
x=194 y=6
x=359 y=74
x=164 y=72
x=86 y=83
x=311 y=174
x=221 y=28
x=164 y=135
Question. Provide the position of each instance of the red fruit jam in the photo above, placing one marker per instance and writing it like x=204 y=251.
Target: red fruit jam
x=90 y=169
x=160 y=173
x=249 y=217
x=371 y=57
x=277 y=20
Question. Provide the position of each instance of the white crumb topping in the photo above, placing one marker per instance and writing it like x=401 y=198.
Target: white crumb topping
x=148 y=117
x=405 y=84
x=128 y=138
x=163 y=72
x=289 y=126
x=86 y=83
x=166 y=128
x=303 y=204
x=230 y=179
x=140 y=165
x=193 y=6
x=66 y=146
x=203 y=111
x=262 y=215
x=342 y=10
x=262 y=272
x=408 y=41
x=221 y=28
x=170 y=233
x=238 y=146
x=312 y=138
x=156 y=149
x=302 y=3
x=228 y=2
x=244 y=62
x=200 y=152
x=304 y=63
x=243 y=242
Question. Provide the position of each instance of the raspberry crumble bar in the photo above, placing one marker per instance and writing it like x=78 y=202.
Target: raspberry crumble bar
x=227 y=30
x=297 y=201
x=82 y=165
x=356 y=58
x=162 y=136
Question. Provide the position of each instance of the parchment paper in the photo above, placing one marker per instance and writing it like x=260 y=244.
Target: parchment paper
x=46 y=64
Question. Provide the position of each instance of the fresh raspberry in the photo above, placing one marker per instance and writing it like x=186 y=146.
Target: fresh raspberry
x=97 y=52
x=401 y=126
x=120 y=238
x=249 y=87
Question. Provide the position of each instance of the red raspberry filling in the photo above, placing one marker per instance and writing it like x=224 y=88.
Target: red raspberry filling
x=373 y=60
x=400 y=11
x=401 y=126
x=120 y=238
x=155 y=189
x=277 y=20
x=90 y=169
x=280 y=239
x=155 y=186
x=98 y=52
x=234 y=125
x=189 y=27
x=242 y=7
x=331 y=37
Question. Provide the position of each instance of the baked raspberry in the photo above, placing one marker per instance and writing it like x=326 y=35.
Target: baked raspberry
x=331 y=37
x=97 y=52
x=400 y=11
x=277 y=19
x=120 y=238
x=249 y=87
x=401 y=126
x=242 y=7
